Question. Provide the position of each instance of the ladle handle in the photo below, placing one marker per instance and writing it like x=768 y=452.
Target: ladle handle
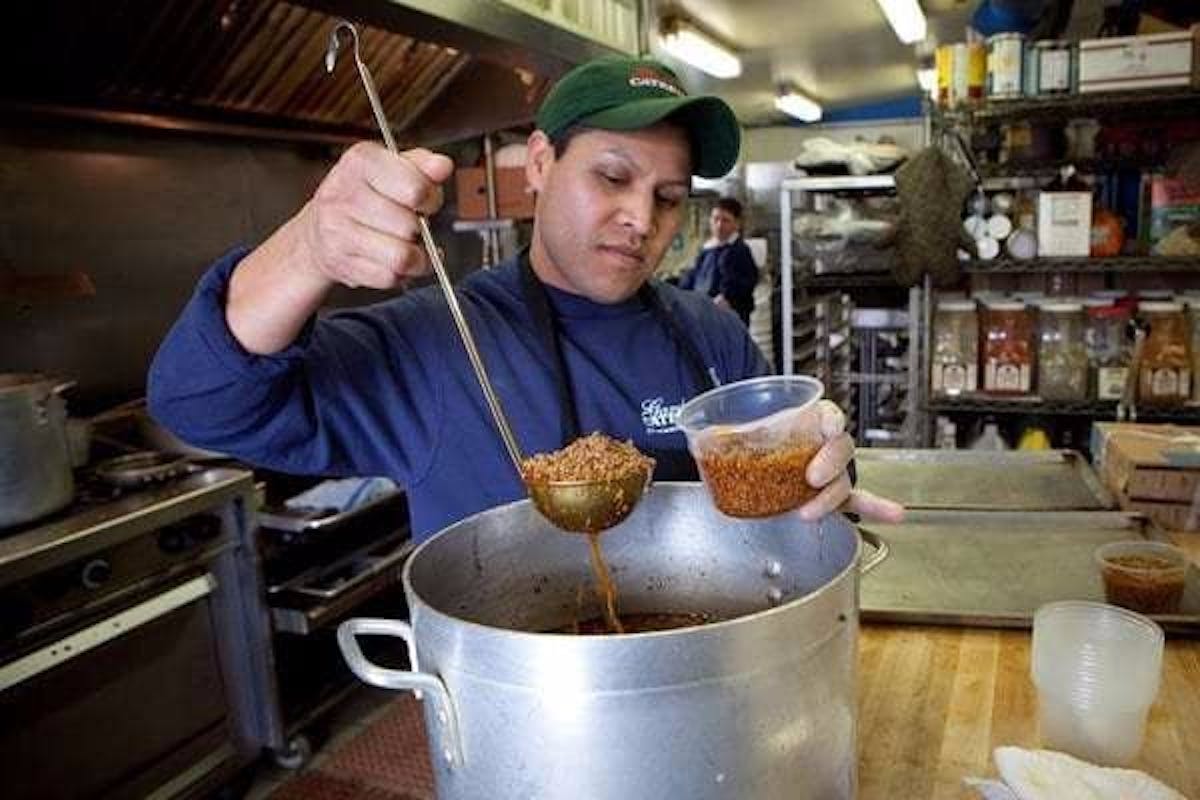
x=435 y=258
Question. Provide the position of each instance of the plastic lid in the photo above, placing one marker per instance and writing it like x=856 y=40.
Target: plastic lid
x=1005 y=305
x=1062 y=308
x=1097 y=302
x=999 y=226
x=975 y=226
x=956 y=305
x=1160 y=307
x=1115 y=294
x=1176 y=559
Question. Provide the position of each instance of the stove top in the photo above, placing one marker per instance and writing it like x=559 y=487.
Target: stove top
x=102 y=515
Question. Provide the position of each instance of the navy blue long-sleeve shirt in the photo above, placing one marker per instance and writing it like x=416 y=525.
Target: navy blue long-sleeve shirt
x=388 y=389
x=725 y=269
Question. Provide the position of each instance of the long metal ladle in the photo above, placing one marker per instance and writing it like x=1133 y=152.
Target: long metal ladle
x=578 y=506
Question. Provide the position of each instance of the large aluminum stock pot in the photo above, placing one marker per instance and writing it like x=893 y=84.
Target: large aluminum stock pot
x=35 y=463
x=760 y=706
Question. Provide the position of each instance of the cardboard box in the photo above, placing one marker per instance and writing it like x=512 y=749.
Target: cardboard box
x=1168 y=516
x=1064 y=223
x=514 y=198
x=1136 y=62
x=1174 y=202
x=1156 y=463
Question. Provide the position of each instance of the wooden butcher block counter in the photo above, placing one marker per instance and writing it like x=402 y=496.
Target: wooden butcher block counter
x=935 y=701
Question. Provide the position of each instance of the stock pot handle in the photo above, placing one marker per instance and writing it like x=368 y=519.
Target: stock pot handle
x=414 y=681
x=881 y=551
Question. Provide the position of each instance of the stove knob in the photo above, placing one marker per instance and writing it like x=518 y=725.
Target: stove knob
x=95 y=573
x=205 y=528
x=173 y=540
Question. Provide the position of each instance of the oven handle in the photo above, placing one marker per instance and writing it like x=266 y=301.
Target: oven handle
x=410 y=680
x=93 y=636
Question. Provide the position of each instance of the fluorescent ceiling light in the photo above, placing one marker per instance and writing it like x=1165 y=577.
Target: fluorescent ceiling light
x=692 y=45
x=928 y=79
x=798 y=106
x=906 y=17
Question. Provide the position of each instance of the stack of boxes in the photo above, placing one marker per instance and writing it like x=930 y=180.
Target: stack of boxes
x=1151 y=469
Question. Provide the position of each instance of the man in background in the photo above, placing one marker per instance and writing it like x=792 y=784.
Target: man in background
x=725 y=269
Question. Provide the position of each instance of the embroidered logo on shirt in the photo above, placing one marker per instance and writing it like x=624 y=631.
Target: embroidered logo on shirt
x=658 y=417
x=655 y=79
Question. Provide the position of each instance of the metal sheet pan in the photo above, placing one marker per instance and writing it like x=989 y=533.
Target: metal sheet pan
x=1033 y=480
x=994 y=569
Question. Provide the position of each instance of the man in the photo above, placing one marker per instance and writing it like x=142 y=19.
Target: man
x=725 y=269
x=573 y=335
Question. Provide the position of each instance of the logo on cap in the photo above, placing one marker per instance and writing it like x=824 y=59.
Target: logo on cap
x=649 y=77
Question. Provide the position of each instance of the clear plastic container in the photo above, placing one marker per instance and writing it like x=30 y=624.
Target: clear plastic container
x=1062 y=355
x=752 y=441
x=990 y=438
x=1097 y=670
x=1148 y=577
x=955 y=359
x=1165 y=374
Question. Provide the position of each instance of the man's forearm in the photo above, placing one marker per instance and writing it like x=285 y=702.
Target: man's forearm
x=273 y=292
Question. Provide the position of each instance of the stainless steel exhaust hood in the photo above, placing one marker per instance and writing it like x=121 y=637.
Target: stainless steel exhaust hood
x=446 y=69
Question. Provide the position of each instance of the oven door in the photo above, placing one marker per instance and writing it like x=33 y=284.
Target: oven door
x=132 y=706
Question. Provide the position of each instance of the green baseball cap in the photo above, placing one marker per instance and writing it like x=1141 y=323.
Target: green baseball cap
x=619 y=93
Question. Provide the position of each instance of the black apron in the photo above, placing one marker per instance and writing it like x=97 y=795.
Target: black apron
x=670 y=465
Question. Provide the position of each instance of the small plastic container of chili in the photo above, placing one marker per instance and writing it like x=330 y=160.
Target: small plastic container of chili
x=1148 y=577
x=752 y=441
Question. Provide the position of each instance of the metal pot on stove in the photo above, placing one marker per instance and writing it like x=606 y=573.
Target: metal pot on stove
x=760 y=704
x=35 y=460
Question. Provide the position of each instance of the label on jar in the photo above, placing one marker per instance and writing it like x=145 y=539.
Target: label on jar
x=953 y=378
x=1054 y=70
x=1006 y=377
x=1110 y=382
x=1166 y=383
x=1005 y=54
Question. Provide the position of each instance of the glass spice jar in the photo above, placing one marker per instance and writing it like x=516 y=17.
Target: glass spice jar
x=1008 y=333
x=1062 y=358
x=1164 y=376
x=955 y=358
x=1193 y=317
x=1108 y=350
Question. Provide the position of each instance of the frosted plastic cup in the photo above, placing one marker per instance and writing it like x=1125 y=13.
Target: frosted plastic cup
x=1148 y=577
x=753 y=440
x=1097 y=669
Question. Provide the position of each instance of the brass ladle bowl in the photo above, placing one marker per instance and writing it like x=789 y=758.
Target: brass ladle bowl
x=588 y=506
x=577 y=506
